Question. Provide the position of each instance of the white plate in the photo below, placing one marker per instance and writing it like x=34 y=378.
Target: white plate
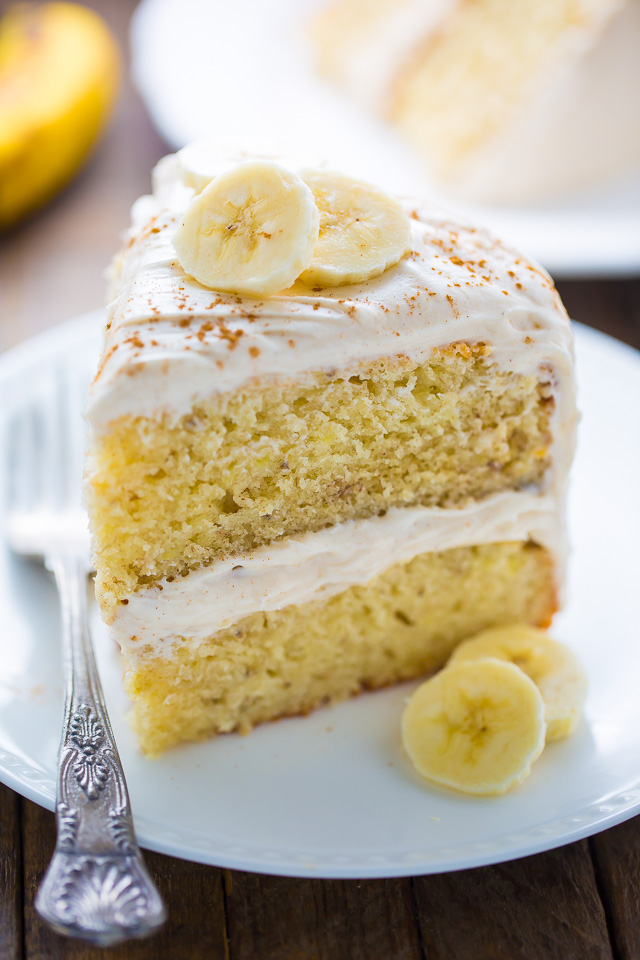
x=331 y=795
x=243 y=73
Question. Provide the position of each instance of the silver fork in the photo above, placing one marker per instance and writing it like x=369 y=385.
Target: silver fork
x=96 y=887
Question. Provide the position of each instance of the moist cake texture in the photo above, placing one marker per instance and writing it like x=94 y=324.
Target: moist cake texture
x=270 y=462
x=400 y=625
x=298 y=497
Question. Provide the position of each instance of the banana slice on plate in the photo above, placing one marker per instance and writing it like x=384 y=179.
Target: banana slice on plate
x=552 y=666
x=252 y=230
x=476 y=726
x=363 y=231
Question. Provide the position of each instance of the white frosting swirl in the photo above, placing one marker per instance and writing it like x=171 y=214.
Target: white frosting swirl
x=316 y=566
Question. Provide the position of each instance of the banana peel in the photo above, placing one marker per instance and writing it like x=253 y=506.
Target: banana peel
x=59 y=76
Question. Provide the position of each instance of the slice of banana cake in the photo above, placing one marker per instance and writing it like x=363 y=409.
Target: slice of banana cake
x=330 y=437
x=505 y=102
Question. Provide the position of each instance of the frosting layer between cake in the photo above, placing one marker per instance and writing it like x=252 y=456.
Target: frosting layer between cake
x=319 y=565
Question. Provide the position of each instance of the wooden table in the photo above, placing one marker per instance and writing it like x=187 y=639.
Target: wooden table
x=576 y=903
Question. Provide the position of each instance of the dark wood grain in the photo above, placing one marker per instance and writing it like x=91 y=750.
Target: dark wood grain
x=10 y=876
x=275 y=918
x=542 y=908
x=196 y=925
x=616 y=855
x=612 y=306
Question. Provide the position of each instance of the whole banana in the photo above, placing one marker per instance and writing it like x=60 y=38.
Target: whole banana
x=256 y=227
x=59 y=74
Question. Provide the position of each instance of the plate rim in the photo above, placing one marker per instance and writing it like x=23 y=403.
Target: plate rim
x=29 y=780
x=31 y=785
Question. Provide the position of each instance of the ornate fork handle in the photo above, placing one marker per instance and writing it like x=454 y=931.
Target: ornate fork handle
x=97 y=886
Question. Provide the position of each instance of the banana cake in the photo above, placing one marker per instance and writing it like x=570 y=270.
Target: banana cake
x=330 y=436
x=506 y=101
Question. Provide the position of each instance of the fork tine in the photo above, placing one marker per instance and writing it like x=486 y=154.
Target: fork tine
x=50 y=440
x=10 y=455
x=75 y=390
x=45 y=447
x=24 y=480
x=12 y=459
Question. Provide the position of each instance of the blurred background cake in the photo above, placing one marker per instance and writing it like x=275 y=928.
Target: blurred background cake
x=506 y=100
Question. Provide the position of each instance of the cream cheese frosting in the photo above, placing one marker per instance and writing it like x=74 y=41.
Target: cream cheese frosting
x=316 y=566
x=172 y=343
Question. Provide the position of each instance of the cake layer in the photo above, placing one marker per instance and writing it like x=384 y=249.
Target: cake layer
x=316 y=566
x=402 y=624
x=272 y=461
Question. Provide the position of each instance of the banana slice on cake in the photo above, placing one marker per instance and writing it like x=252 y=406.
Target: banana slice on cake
x=252 y=230
x=554 y=669
x=197 y=164
x=476 y=726
x=363 y=231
